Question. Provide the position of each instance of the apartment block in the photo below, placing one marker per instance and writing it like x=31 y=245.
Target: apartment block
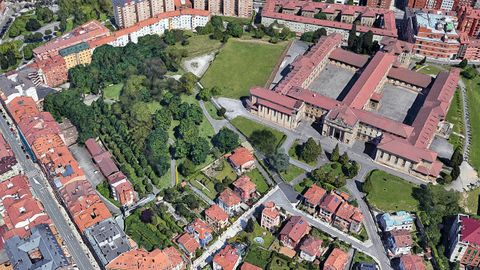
x=127 y=13
x=464 y=241
x=379 y=3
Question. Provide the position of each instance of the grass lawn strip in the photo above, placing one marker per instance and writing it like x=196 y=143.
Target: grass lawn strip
x=469 y=201
x=104 y=189
x=391 y=193
x=113 y=91
x=259 y=181
x=473 y=99
x=258 y=256
x=241 y=65
x=292 y=172
x=247 y=127
x=292 y=152
x=199 y=45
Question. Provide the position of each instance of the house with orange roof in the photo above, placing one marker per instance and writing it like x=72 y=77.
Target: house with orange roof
x=249 y=266
x=337 y=260
x=229 y=201
x=200 y=231
x=312 y=198
x=242 y=160
x=270 y=216
x=399 y=242
x=329 y=206
x=226 y=259
x=216 y=217
x=311 y=249
x=20 y=211
x=348 y=218
x=188 y=244
x=139 y=259
x=245 y=188
x=411 y=262
x=294 y=231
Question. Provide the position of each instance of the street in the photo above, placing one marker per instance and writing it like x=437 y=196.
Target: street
x=41 y=188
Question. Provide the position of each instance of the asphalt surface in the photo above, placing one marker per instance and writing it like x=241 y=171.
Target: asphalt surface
x=52 y=207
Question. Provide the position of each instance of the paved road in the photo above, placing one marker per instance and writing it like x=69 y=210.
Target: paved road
x=42 y=191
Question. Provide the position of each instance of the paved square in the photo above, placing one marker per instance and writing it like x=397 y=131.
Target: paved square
x=332 y=81
x=396 y=102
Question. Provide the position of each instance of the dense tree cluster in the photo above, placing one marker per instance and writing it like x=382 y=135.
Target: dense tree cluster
x=83 y=11
x=262 y=140
x=309 y=151
x=362 y=43
x=225 y=140
x=313 y=36
x=279 y=161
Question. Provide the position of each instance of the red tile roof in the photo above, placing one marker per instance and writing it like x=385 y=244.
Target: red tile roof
x=312 y=246
x=7 y=157
x=241 y=156
x=349 y=212
x=296 y=228
x=245 y=184
x=249 y=266
x=93 y=147
x=201 y=228
x=270 y=210
x=226 y=258
x=350 y=58
x=412 y=262
x=410 y=77
x=470 y=232
x=402 y=238
x=314 y=194
x=139 y=259
x=106 y=164
x=331 y=202
x=336 y=260
x=229 y=198
x=188 y=242
x=216 y=213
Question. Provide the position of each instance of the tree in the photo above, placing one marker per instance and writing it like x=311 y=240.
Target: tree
x=250 y=227
x=367 y=186
x=204 y=94
x=286 y=33
x=344 y=159
x=310 y=150
x=146 y=216
x=32 y=25
x=262 y=139
x=307 y=36
x=217 y=22
x=455 y=172
x=225 y=140
x=320 y=15
x=199 y=150
x=367 y=42
x=423 y=61
x=187 y=82
x=28 y=52
x=14 y=31
x=352 y=36
x=187 y=167
x=335 y=154
x=258 y=33
x=279 y=161
x=457 y=157
x=463 y=63
x=234 y=29
x=44 y=14
x=217 y=34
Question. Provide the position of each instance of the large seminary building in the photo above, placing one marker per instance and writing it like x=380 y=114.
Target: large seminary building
x=358 y=98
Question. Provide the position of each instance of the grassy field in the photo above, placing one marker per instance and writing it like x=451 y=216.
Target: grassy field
x=165 y=180
x=199 y=45
x=113 y=91
x=212 y=110
x=391 y=193
x=247 y=127
x=258 y=256
x=259 y=181
x=292 y=152
x=362 y=257
x=291 y=173
x=455 y=116
x=241 y=65
x=429 y=70
x=226 y=172
x=204 y=184
x=473 y=99
x=469 y=201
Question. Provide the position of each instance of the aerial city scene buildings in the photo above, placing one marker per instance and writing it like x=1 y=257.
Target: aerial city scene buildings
x=239 y=134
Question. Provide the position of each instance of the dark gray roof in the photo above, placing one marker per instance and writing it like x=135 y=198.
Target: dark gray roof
x=107 y=240
x=39 y=251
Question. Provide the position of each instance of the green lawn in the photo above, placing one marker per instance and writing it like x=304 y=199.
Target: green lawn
x=391 y=193
x=455 y=116
x=20 y=23
x=279 y=264
x=113 y=91
x=469 y=201
x=292 y=172
x=212 y=110
x=104 y=189
x=258 y=256
x=473 y=99
x=259 y=181
x=165 y=180
x=208 y=187
x=199 y=45
x=292 y=152
x=428 y=70
x=241 y=65
x=227 y=172
x=362 y=257
x=247 y=127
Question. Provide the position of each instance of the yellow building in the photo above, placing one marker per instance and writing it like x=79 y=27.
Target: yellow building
x=79 y=54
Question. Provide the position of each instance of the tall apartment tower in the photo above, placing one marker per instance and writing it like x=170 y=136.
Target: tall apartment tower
x=215 y=7
x=200 y=4
x=129 y=12
x=379 y=3
x=229 y=7
x=244 y=8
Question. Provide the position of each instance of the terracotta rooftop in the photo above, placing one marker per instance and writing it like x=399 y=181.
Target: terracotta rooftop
x=296 y=228
x=93 y=147
x=201 y=228
x=312 y=246
x=188 y=242
x=336 y=260
x=331 y=202
x=229 y=198
x=270 y=210
x=241 y=156
x=226 y=257
x=216 y=213
x=349 y=212
x=106 y=164
x=249 y=266
x=412 y=262
x=139 y=259
x=245 y=184
x=22 y=107
x=314 y=194
x=402 y=238
x=410 y=77
x=395 y=46
x=350 y=58
x=470 y=232
x=7 y=157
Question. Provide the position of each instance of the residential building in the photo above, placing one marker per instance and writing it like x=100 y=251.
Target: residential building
x=226 y=259
x=9 y=166
x=401 y=49
x=128 y=13
x=242 y=160
x=329 y=206
x=348 y=218
x=468 y=20
x=188 y=244
x=107 y=240
x=337 y=260
x=356 y=114
x=311 y=249
x=229 y=201
x=249 y=266
x=19 y=210
x=245 y=188
x=40 y=250
x=313 y=197
x=384 y=4
x=464 y=241
x=216 y=217
x=139 y=259
x=270 y=217
x=399 y=242
x=200 y=231
x=299 y=17
x=400 y=220
x=231 y=8
x=411 y=262
x=294 y=231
